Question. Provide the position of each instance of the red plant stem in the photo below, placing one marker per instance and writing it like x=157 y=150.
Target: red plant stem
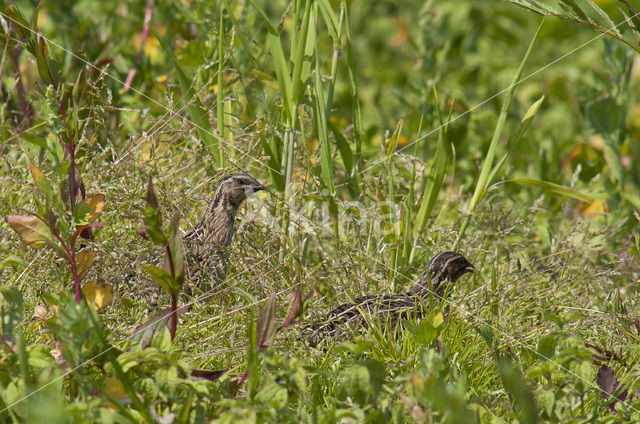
x=174 y=298
x=71 y=149
x=170 y=259
x=174 y=316
x=243 y=378
x=72 y=263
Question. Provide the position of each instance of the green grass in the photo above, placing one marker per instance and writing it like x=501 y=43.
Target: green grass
x=370 y=124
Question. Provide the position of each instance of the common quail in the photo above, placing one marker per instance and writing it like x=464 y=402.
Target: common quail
x=207 y=247
x=444 y=267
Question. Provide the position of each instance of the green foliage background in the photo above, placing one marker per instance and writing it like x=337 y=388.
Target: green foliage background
x=371 y=123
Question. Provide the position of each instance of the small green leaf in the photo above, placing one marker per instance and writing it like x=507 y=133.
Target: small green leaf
x=153 y=225
x=547 y=346
x=533 y=109
x=163 y=278
x=273 y=395
x=41 y=182
x=12 y=261
x=150 y=196
x=46 y=67
x=555 y=188
x=266 y=324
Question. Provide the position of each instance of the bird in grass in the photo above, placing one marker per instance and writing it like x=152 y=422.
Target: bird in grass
x=443 y=270
x=207 y=246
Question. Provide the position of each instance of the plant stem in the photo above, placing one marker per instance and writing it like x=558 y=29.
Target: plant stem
x=72 y=263
x=174 y=316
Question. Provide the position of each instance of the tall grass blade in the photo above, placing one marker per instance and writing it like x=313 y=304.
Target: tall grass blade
x=279 y=61
x=326 y=164
x=353 y=83
x=524 y=124
x=487 y=166
x=433 y=177
x=220 y=94
x=554 y=188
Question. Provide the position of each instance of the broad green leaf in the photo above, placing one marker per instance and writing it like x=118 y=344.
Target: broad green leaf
x=547 y=346
x=89 y=209
x=35 y=140
x=273 y=395
x=363 y=380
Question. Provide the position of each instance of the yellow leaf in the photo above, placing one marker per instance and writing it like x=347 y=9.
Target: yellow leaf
x=31 y=229
x=84 y=260
x=417 y=381
x=98 y=295
x=114 y=388
x=89 y=209
x=438 y=319
x=593 y=209
x=36 y=173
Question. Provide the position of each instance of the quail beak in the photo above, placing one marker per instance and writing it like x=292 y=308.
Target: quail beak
x=259 y=187
x=469 y=268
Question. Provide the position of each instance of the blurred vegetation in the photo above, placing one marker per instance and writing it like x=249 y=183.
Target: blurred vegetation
x=386 y=131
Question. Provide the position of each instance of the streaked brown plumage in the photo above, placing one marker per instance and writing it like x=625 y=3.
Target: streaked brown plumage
x=444 y=267
x=207 y=246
